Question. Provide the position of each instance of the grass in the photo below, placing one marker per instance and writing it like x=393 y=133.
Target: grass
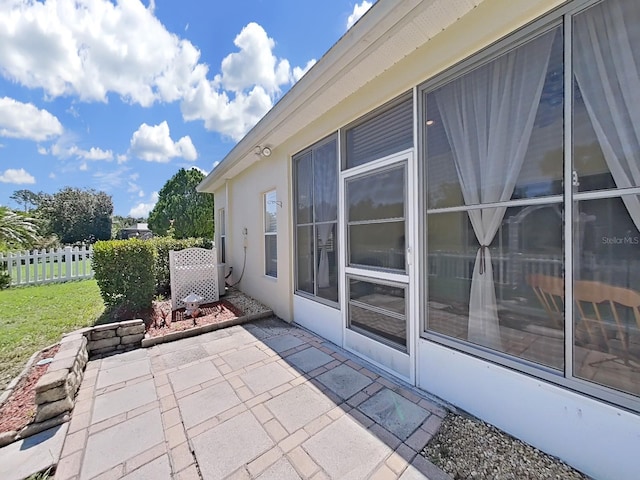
x=32 y=318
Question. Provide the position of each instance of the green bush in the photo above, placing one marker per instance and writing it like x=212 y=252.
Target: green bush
x=162 y=246
x=124 y=270
x=5 y=278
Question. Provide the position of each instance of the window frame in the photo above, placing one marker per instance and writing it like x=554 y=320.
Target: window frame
x=560 y=16
x=266 y=201
x=314 y=224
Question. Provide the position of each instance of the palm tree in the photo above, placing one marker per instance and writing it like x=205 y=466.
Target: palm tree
x=16 y=229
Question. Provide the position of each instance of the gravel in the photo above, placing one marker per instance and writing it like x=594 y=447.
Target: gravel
x=248 y=305
x=467 y=448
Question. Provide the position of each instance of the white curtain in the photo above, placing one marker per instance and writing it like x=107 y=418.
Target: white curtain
x=325 y=175
x=606 y=60
x=488 y=116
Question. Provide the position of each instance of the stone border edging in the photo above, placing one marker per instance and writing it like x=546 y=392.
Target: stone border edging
x=56 y=389
x=192 y=332
x=13 y=383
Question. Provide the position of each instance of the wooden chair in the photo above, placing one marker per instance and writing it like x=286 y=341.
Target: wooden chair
x=550 y=293
x=600 y=310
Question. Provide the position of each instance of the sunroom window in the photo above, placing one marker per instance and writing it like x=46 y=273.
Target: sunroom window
x=316 y=216
x=606 y=155
x=502 y=205
x=494 y=169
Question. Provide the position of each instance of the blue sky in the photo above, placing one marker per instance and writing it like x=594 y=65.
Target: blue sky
x=119 y=95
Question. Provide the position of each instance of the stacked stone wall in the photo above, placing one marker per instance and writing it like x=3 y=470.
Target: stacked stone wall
x=56 y=389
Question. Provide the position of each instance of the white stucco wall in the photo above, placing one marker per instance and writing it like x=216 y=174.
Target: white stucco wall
x=245 y=212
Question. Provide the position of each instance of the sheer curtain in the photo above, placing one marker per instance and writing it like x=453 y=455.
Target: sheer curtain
x=325 y=176
x=606 y=60
x=488 y=116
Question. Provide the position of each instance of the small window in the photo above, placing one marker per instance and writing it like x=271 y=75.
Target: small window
x=222 y=234
x=270 y=234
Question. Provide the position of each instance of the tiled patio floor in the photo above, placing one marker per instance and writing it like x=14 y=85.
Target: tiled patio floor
x=265 y=400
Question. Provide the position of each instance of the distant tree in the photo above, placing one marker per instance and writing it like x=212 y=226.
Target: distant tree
x=17 y=230
x=26 y=198
x=182 y=209
x=77 y=215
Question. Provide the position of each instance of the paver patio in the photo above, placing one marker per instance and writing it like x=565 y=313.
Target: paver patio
x=265 y=400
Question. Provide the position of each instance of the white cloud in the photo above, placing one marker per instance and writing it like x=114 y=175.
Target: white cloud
x=247 y=87
x=92 y=48
x=254 y=64
x=84 y=167
x=26 y=121
x=17 y=176
x=154 y=144
x=43 y=151
x=142 y=209
x=299 y=72
x=62 y=149
x=358 y=11
x=105 y=180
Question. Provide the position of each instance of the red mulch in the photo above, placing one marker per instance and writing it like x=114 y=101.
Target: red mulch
x=18 y=411
x=158 y=323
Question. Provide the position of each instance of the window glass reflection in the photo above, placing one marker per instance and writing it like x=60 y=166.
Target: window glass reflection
x=606 y=293
x=527 y=267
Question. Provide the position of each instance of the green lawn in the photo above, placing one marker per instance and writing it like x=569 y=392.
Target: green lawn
x=32 y=318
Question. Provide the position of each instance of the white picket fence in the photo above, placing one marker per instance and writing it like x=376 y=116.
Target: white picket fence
x=53 y=266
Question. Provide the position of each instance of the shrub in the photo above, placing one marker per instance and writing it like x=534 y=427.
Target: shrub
x=162 y=247
x=5 y=278
x=124 y=270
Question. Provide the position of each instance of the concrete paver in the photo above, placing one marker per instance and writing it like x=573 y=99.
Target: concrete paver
x=309 y=359
x=281 y=470
x=20 y=459
x=122 y=400
x=344 y=380
x=227 y=447
x=113 y=446
x=178 y=358
x=193 y=375
x=298 y=407
x=154 y=470
x=117 y=372
x=394 y=412
x=207 y=403
x=282 y=343
x=245 y=357
x=266 y=377
x=227 y=405
x=346 y=450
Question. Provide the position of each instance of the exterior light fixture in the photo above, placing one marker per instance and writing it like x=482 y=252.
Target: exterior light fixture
x=262 y=151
